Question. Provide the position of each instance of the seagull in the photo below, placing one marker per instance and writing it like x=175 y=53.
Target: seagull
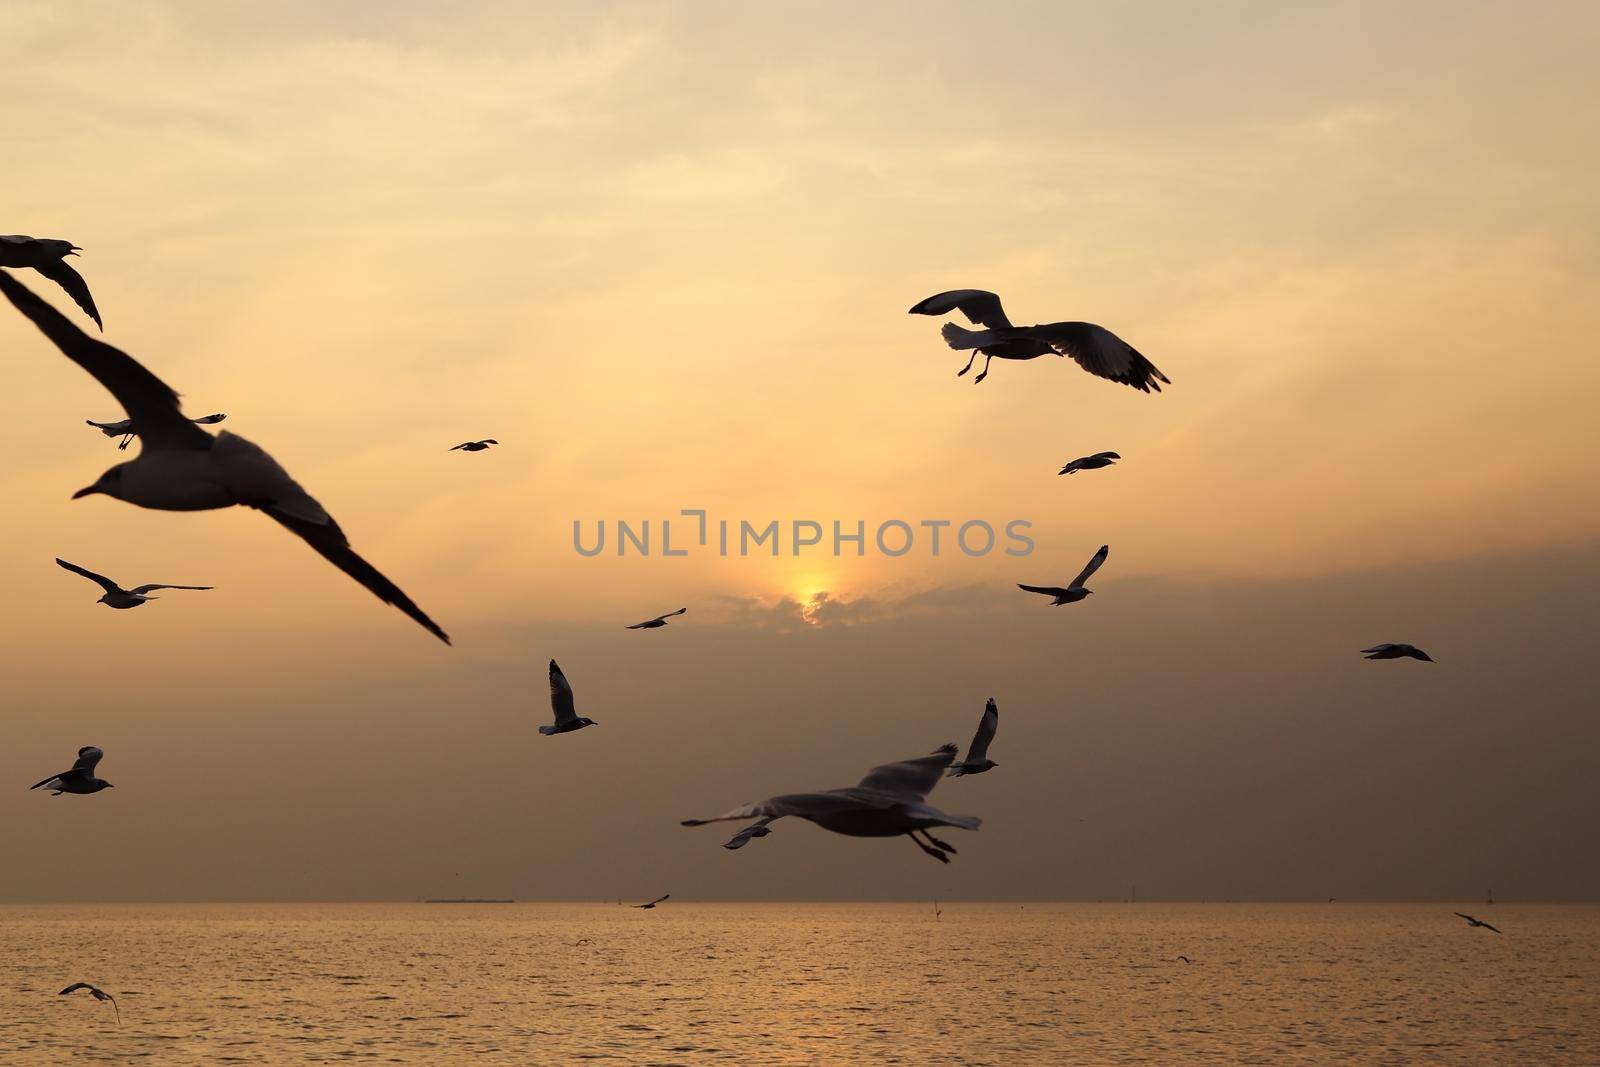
x=653 y=903
x=118 y=597
x=567 y=718
x=657 y=622
x=1095 y=348
x=1074 y=592
x=1477 y=922
x=1393 y=651
x=1090 y=463
x=80 y=779
x=183 y=468
x=888 y=802
x=99 y=994
x=123 y=428
x=1185 y=959
x=49 y=257
x=473 y=446
x=978 y=760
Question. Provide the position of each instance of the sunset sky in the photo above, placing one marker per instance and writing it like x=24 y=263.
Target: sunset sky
x=663 y=253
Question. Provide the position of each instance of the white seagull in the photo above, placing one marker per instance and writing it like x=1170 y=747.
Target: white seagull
x=1095 y=348
x=1393 y=651
x=567 y=717
x=124 y=428
x=888 y=802
x=99 y=994
x=80 y=779
x=658 y=621
x=48 y=256
x=1090 y=463
x=118 y=597
x=653 y=903
x=473 y=446
x=183 y=468
x=1074 y=592
x=978 y=760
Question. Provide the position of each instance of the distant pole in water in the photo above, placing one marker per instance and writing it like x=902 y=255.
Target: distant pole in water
x=1491 y=897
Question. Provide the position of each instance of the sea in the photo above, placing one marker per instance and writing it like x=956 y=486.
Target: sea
x=699 y=983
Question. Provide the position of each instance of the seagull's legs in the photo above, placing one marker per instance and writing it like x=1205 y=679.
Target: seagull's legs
x=968 y=367
x=985 y=372
x=935 y=853
x=939 y=844
x=126 y=441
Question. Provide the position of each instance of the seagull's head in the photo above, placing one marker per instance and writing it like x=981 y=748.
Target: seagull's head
x=61 y=248
x=109 y=483
x=588 y=722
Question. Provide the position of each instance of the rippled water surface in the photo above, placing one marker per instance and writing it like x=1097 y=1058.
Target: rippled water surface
x=808 y=983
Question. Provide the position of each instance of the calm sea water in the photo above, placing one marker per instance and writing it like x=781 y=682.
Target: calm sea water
x=810 y=983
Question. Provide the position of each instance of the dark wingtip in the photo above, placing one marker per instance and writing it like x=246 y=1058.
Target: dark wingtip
x=692 y=822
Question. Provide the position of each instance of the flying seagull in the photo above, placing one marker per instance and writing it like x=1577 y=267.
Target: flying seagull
x=183 y=468
x=1090 y=463
x=1477 y=922
x=1185 y=959
x=118 y=597
x=1074 y=592
x=98 y=993
x=80 y=779
x=567 y=718
x=888 y=802
x=1393 y=651
x=978 y=760
x=124 y=429
x=1095 y=348
x=473 y=446
x=49 y=257
x=657 y=622
x=653 y=903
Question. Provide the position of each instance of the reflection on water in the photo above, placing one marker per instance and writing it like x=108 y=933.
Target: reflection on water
x=805 y=983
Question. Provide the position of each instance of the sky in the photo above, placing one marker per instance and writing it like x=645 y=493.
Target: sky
x=663 y=252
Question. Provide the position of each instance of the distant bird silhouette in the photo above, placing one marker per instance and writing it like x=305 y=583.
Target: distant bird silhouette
x=118 y=597
x=978 y=760
x=97 y=992
x=1090 y=463
x=80 y=779
x=658 y=621
x=888 y=802
x=48 y=256
x=473 y=446
x=181 y=467
x=1074 y=592
x=567 y=719
x=1477 y=922
x=1095 y=348
x=1185 y=959
x=125 y=429
x=653 y=903
x=1396 y=652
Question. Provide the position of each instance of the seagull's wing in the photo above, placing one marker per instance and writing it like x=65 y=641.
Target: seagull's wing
x=1092 y=566
x=1105 y=455
x=654 y=902
x=112 y=429
x=642 y=625
x=208 y=420
x=561 y=695
x=1100 y=352
x=64 y=776
x=1488 y=926
x=454 y=448
x=912 y=778
x=148 y=400
x=1375 y=649
x=74 y=987
x=148 y=588
x=105 y=583
x=61 y=272
x=1071 y=468
x=658 y=620
x=88 y=758
x=979 y=306
x=1047 y=590
x=987 y=725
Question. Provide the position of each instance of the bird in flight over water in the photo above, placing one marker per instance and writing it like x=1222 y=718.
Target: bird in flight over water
x=1090 y=463
x=653 y=903
x=978 y=760
x=1095 y=348
x=125 y=429
x=1393 y=651
x=118 y=597
x=49 y=257
x=889 y=802
x=80 y=779
x=473 y=446
x=181 y=467
x=567 y=718
x=98 y=993
x=1074 y=592
x=1477 y=922
x=657 y=622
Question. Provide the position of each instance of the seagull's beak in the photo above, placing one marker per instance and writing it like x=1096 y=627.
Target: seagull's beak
x=74 y=250
x=88 y=490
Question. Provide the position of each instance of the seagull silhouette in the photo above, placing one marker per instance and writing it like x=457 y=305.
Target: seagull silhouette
x=1392 y=651
x=1090 y=463
x=653 y=903
x=890 y=801
x=1095 y=348
x=48 y=256
x=473 y=446
x=567 y=718
x=181 y=467
x=97 y=992
x=1074 y=592
x=978 y=760
x=1185 y=959
x=657 y=622
x=125 y=429
x=80 y=779
x=118 y=597
x=1477 y=922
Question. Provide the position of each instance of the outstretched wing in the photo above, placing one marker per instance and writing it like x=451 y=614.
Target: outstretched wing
x=1100 y=352
x=74 y=987
x=88 y=758
x=1374 y=650
x=60 y=272
x=561 y=695
x=1092 y=566
x=105 y=583
x=913 y=778
x=979 y=306
x=653 y=903
x=1047 y=590
x=148 y=588
x=208 y=420
x=979 y=751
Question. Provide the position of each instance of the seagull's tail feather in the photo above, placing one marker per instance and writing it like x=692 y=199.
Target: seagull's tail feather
x=547 y=730
x=955 y=772
x=963 y=822
x=961 y=338
x=47 y=781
